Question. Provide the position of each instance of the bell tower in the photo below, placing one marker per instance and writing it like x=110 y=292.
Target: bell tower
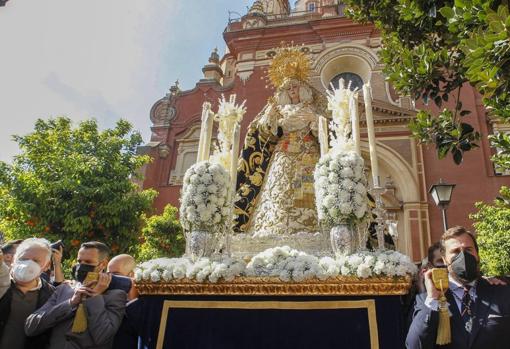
x=275 y=7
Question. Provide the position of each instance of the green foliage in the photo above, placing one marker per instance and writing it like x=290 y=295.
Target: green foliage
x=75 y=184
x=492 y=223
x=502 y=142
x=446 y=132
x=431 y=48
x=162 y=236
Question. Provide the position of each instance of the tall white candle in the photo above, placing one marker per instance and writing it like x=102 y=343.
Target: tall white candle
x=355 y=122
x=367 y=95
x=323 y=135
x=206 y=108
x=206 y=151
x=235 y=156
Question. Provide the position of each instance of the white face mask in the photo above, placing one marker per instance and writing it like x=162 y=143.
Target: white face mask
x=26 y=271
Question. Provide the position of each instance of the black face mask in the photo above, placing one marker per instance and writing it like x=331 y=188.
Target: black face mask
x=80 y=271
x=465 y=267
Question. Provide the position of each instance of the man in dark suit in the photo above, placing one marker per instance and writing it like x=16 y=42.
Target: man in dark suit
x=480 y=312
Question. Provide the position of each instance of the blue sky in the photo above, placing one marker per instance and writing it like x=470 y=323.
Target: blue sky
x=102 y=59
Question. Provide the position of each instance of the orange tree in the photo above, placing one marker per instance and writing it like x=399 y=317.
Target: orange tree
x=162 y=236
x=75 y=184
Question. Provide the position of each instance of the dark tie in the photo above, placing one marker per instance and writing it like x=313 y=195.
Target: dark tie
x=465 y=309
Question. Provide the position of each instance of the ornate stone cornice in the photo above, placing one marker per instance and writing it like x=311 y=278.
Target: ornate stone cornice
x=270 y=286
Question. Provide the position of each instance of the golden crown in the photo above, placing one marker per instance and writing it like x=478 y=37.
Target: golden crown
x=289 y=62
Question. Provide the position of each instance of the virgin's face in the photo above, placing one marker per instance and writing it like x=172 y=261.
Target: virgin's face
x=294 y=93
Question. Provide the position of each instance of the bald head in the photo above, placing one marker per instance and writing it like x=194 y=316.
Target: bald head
x=123 y=264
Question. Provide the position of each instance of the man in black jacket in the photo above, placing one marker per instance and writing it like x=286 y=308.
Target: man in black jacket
x=480 y=312
x=22 y=291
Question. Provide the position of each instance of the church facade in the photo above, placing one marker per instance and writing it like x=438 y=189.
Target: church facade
x=339 y=49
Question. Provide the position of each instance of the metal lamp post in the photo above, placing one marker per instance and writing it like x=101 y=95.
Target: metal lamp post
x=442 y=195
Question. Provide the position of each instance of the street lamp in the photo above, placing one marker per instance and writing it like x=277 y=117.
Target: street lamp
x=442 y=195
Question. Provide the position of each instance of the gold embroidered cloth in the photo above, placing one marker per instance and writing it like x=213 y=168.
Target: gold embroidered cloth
x=286 y=202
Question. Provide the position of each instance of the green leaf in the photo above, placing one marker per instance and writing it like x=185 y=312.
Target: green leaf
x=497 y=26
x=447 y=12
x=457 y=156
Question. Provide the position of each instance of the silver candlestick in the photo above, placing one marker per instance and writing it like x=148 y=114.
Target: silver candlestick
x=380 y=212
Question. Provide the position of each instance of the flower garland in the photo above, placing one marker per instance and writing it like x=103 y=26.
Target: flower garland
x=341 y=188
x=205 y=203
x=287 y=264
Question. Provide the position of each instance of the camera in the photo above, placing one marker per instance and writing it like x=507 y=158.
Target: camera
x=57 y=245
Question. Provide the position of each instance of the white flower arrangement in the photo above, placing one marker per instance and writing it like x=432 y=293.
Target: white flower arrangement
x=366 y=264
x=341 y=193
x=205 y=197
x=287 y=264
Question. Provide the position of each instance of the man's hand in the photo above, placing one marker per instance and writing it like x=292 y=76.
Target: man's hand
x=432 y=291
x=57 y=256
x=79 y=293
x=102 y=284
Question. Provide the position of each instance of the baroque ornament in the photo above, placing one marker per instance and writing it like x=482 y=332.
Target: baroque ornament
x=289 y=62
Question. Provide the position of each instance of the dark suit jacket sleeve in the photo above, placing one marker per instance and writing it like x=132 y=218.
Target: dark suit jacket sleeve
x=104 y=315
x=423 y=330
x=50 y=314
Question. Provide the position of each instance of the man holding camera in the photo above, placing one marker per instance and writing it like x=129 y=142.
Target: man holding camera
x=479 y=311
x=9 y=250
x=22 y=291
x=103 y=306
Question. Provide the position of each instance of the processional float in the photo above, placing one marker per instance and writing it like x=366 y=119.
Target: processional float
x=352 y=293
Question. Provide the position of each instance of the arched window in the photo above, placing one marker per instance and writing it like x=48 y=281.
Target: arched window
x=311 y=7
x=354 y=79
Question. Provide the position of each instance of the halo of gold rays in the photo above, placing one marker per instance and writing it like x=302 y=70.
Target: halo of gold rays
x=289 y=62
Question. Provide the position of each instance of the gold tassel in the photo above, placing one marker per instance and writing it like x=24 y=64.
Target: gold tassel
x=444 y=333
x=80 y=320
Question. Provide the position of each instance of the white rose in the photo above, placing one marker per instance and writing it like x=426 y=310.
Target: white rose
x=355 y=260
x=363 y=271
x=334 y=166
x=346 y=208
x=138 y=275
x=344 y=195
x=334 y=212
x=329 y=201
x=179 y=272
x=349 y=185
x=155 y=276
x=347 y=172
x=379 y=267
x=369 y=260
x=322 y=182
x=205 y=215
x=212 y=188
x=333 y=177
x=360 y=212
x=345 y=270
x=167 y=275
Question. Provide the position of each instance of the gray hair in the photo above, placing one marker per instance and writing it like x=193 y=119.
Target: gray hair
x=31 y=243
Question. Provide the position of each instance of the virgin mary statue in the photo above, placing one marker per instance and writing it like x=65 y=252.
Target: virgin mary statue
x=275 y=178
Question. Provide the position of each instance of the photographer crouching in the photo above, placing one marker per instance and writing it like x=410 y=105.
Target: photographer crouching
x=87 y=313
